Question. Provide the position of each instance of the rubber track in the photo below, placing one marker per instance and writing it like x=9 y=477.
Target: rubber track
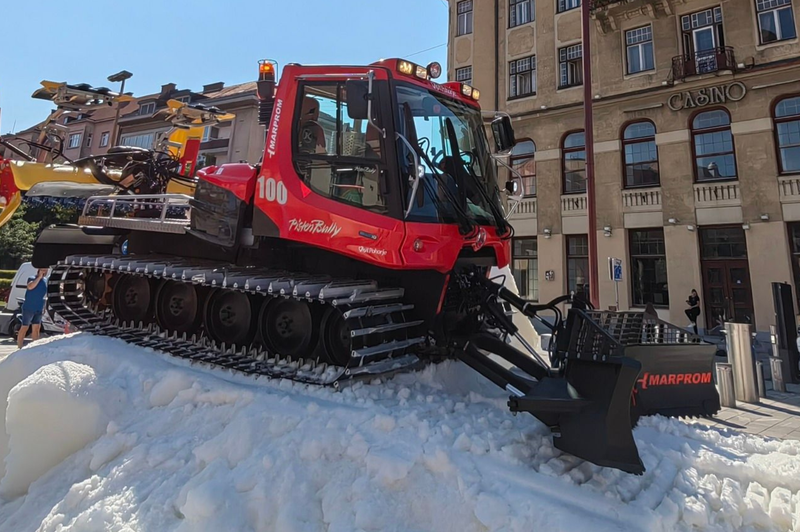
x=384 y=348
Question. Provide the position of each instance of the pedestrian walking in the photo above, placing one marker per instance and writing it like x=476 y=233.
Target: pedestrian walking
x=693 y=312
x=33 y=306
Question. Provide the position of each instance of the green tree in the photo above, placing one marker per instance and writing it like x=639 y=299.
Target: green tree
x=16 y=240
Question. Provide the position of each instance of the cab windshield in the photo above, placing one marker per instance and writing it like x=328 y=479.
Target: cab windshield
x=458 y=181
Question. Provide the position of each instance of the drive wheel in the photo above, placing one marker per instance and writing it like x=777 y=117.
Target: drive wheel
x=287 y=327
x=95 y=284
x=229 y=318
x=132 y=297
x=336 y=337
x=177 y=307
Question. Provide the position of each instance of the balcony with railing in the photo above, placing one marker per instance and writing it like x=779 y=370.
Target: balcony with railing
x=717 y=194
x=573 y=205
x=525 y=210
x=706 y=62
x=641 y=200
x=789 y=189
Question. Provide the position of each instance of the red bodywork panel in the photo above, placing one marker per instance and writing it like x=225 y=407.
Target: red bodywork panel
x=302 y=215
x=7 y=185
x=239 y=178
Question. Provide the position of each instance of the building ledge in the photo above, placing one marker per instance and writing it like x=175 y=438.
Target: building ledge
x=641 y=200
x=573 y=205
x=717 y=194
x=526 y=210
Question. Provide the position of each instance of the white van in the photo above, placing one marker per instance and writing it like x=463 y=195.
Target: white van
x=18 y=287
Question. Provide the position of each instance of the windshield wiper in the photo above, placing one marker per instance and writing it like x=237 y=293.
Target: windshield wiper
x=465 y=223
x=500 y=220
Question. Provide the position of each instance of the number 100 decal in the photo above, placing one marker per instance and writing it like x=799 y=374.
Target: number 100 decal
x=272 y=190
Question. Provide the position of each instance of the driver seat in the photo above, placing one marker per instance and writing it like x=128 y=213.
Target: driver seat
x=312 y=136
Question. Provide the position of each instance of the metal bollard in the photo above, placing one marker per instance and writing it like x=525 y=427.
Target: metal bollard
x=740 y=355
x=776 y=366
x=727 y=395
x=762 y=386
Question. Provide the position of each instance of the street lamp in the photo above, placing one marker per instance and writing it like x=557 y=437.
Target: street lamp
x=120 y=76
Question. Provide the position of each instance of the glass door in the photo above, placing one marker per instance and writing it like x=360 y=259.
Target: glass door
x=705 y=49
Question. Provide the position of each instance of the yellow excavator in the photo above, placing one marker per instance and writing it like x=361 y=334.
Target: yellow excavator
x=167 y=168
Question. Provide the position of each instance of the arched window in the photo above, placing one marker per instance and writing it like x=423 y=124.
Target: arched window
x=573 y=163
x=522 y=161
x=713 y=146
x=787 y=134
x=641 y=155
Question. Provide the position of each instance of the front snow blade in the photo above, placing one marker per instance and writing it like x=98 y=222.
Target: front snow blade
x=677 y=366
x=588 y=407
x=676 y=380
x=590 y=411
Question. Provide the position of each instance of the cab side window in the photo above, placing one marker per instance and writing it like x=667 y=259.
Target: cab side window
x=338 y=156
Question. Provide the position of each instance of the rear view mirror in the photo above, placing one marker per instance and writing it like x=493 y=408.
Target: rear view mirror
x=357 y=99
x=503 y=133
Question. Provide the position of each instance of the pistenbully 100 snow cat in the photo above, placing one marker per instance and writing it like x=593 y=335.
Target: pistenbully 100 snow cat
x=362 y=244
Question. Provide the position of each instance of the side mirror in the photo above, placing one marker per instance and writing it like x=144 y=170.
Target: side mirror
x=503 y=133
x=357 y=99
x=512 y=187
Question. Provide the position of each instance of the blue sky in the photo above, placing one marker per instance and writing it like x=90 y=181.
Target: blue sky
x=199 y=41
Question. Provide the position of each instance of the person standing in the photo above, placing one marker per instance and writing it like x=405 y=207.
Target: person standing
x=33 y=306
x=693 y=312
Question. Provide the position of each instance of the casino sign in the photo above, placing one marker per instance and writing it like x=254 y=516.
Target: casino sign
x=730 y=92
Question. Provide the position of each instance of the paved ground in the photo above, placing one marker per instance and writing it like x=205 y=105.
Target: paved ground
x=777 y=416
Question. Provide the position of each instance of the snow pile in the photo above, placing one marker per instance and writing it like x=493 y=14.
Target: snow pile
x=99 y=435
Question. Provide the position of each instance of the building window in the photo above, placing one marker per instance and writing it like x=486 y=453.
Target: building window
x=464 y=75
x=639 y=48
x=523 y=163
x=713 y=146
x=641 y=155
x=648 y=267
x=578 y=264
x=703 y=42
x=464 y=17
x=147 y=108
x=573 y=163
x=104 y=139
x=787 y=131
x=794 y=241
x=525 y=267
x=570 y=64
x=210 y=133
x=522 y=77
x=75 y=140
x=521 y=12
x=775 y=20
x=566 y=5
x=89 y=140
x=143 y=140
x=185 y=99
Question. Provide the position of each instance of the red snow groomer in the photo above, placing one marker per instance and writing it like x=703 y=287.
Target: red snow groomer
x=361 y=245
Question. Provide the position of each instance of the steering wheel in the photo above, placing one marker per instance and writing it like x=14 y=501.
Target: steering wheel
x=424 y=144
x=468 y=158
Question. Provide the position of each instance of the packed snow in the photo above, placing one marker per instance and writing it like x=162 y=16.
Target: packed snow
x=100 y=435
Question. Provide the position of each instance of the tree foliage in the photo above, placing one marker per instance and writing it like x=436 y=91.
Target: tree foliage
x=19 y=234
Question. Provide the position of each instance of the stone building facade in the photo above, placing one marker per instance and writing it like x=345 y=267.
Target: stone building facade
x=696 y=142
